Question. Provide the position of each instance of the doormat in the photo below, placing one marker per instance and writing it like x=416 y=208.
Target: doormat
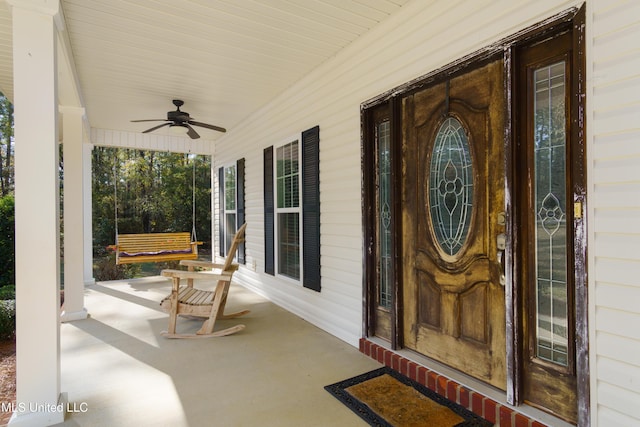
x=386 y=398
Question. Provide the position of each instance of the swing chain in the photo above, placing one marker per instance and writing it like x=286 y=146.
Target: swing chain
x=193 y=200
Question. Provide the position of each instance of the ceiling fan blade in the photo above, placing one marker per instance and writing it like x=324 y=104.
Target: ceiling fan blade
x=204 y=125
x=149 y=120
x=192 y=132
x=156 y=127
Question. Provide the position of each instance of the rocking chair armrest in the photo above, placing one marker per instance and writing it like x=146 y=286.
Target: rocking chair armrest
x=198 y=263
x=181 y=274
x=206 y=264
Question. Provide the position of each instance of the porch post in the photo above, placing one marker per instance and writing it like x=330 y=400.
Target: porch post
x=38 y=400
x=87 y=216
x=72 y=126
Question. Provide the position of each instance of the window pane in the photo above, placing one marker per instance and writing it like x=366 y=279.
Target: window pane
x=384 y=214
x=551 y=206
x=451 y=186
x=229 y=229
x=230 y=188
x=281 y=193
x=289 y=245
x=287 y=176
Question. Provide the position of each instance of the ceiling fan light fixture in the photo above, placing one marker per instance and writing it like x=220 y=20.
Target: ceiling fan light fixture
x=178 y=129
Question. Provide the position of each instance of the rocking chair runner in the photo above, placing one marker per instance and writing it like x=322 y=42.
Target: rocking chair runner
x=209 y=306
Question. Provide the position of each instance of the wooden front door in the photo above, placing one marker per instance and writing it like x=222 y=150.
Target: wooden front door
x=453 y=222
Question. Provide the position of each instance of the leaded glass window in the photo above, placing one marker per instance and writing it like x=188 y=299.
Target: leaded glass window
x=451 y=186
x=551 y=219
x=384 y=214
x=288 y=209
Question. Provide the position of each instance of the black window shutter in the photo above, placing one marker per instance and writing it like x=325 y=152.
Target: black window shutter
x=221 y=211
x=240 y=205
x=311 y=208
x=269 y=254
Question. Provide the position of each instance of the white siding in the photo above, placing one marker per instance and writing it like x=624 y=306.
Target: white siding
x=614 y=152
x=142 y=141
x=421 y=37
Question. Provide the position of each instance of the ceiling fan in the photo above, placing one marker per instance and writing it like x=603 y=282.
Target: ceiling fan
x=180 y=119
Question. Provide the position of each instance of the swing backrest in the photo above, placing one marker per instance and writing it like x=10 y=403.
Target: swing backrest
x=155 y=247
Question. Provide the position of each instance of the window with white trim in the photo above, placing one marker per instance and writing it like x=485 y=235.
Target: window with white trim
x=292 y=209
x=230 y=224
x=287 y=225
x=231 y=206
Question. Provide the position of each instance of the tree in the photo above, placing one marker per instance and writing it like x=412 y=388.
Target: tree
x=6 y=146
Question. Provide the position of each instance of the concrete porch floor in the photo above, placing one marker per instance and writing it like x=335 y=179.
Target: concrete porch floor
x=118 y=371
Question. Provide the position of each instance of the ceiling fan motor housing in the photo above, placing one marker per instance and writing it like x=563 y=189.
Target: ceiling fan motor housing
x=178 y=116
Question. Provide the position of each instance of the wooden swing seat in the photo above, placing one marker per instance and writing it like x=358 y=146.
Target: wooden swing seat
x=155 y=247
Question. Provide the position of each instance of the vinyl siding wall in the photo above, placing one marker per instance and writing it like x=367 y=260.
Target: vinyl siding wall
x=614 y=106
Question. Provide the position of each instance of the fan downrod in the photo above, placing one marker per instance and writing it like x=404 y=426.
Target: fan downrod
x=178 y=103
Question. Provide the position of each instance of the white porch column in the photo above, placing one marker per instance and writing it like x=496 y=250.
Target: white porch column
x=72 y=135
x=36 y=210
x=87 y=217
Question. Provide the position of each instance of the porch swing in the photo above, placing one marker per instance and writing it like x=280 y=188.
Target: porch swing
x=156 y=247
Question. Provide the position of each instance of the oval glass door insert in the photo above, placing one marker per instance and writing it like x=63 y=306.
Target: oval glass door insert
x=451 y=186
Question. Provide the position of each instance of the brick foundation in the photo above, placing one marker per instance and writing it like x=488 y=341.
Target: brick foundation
x=501 y=416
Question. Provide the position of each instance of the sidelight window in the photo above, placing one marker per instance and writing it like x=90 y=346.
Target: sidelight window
x=383 y=203
x=550 y=171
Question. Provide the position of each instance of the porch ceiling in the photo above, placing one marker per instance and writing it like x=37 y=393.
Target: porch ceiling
x=224 y=58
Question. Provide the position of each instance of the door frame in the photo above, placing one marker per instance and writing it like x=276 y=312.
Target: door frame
x=575 y=19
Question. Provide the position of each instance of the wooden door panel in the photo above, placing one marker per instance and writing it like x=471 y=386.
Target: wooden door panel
x=455 y=280
x=468 y=335
x=473 y=313
x=429 y=295
x=454 y=303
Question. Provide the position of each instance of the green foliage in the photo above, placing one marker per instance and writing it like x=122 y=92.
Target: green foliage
x=6 y=146
x=8 y=292
x=105 y=268
x=7 y=241
x=7 y=224
x=7 y=320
